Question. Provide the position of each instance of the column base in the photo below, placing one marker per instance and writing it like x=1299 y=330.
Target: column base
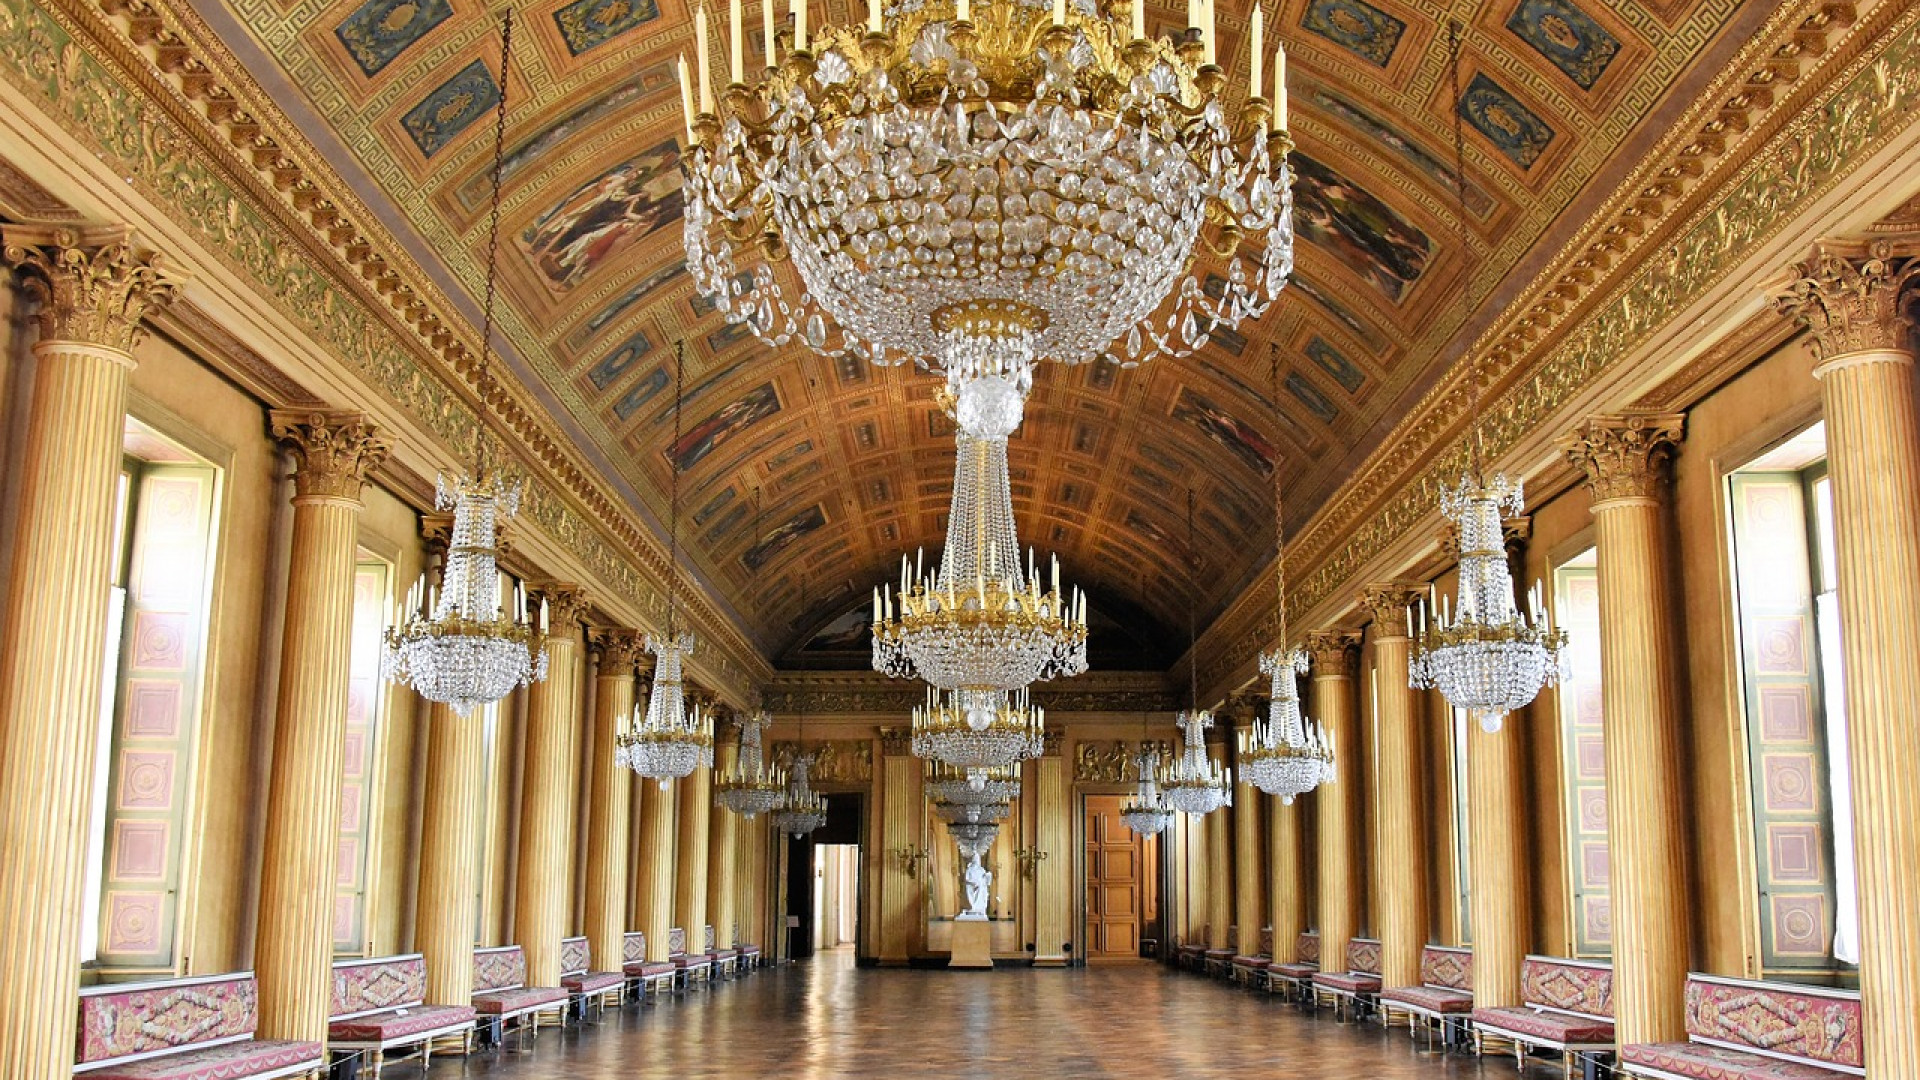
x=972 y=944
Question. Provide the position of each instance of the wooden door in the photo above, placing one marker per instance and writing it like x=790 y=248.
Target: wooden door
x=1115 y=880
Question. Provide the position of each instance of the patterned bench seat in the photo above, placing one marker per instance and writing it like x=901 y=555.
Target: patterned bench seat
x=1294 y=977
x=501 y=995
x=1251 y=970
x=1356 y=987
x=184 y=1029
x=652 y=975
x=1568 y=1007
x=1190 y=956
x=1445 y=990
x=1219 y=962
x=689 y=967
x=725 y=961
x=378 y=1007
x=582 y=984
x=1743 y=1030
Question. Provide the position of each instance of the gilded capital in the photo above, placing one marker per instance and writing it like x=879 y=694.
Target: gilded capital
x=1336 y=653
x=1241 y=709
x=566 y=604
x=336 y=450
x=1624 y=456
x=1388 y=602
x=94 y=283
x=617 y=649
x=1852 y=301
x=1051 y=740
x=896 y=741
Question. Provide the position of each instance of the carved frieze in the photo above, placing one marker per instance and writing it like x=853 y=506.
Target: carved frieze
x=836 y=762
x=1111 y=761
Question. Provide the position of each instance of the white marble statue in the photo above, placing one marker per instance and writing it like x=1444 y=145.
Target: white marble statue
x=979 y=879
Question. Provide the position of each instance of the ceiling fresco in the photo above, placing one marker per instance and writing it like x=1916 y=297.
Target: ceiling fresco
x=853 y=464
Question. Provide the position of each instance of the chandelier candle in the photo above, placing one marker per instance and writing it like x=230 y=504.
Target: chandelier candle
x=986 y=185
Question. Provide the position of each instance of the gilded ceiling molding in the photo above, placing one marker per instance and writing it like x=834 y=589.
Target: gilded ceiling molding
x=94 y=283
x=337 y=450
x=1853 y=300
x=1787 y=159
x=159 y=101
x=1625 y=456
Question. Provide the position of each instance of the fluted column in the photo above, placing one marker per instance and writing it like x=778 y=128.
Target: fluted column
x=1497 y=869
x=1624 y=460
x=1249 y=876
x=900 y=832
x=1857 y=304
x=94 y=286
x=1400 y=834
x=445 y=910
x=1286 y=879
x=1219 y=865
x=546 y=794
x=1052 y=876
x=654 y=872
x=723 y=833
x=610 y=789
x=1335 y=662
x=690 y=866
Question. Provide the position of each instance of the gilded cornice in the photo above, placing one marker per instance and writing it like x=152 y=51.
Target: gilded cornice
x=336 y=450
x=1808 y=100
x=95 y=284
x=1625 y=456
x=152 y=92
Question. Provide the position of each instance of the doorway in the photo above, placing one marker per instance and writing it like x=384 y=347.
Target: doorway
x=1123 y=895
x=825 y=888
x=836 y=896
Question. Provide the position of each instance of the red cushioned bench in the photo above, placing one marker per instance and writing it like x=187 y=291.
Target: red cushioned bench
x=379 y=1008
x=184 y=1029
x=749 y=953
x=1219 y=960
x=726 y=962
x=1738 y=1029
x=651 y=975
x=1295 y=977
x=1353 y=990
x=501 y=995
x=585 y=986
x=688 y=968
x=1251 y=969
x=1190 y=957
x=1443 y=998
x=1568 y=1007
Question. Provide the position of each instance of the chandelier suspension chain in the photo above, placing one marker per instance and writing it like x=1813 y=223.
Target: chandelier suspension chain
x=1472 y=286
x=484 y=375
x=1193 y=584
x=673 y=491
x=1279 y=484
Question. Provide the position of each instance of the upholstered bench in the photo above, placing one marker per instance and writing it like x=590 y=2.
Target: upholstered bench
x=1294 y=977
x=1250 y=969
x=502 y=997
x=1568 y=1007
x=1444 y=996
x=1190 y=957
x=1352 y=990
x=1743 y=1030
x=689 y=968
x=584 y=986
x=180 y=1028
x=378 y=1008
x=651 y=975
x=1219 y=962
x=726 y=962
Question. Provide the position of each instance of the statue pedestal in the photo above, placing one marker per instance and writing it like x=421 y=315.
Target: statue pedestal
x=972 y=944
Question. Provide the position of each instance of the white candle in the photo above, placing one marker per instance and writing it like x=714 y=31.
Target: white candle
x=766 y=27
x=1206 y=31
x=799 y=24
x=1193 y=13
x=876 y=605
x=705 y=59
x=1139 y=19
x=874 y=23
x=736 y=43
x=1059 y=12
x=1259 y=57
x=1280 y=86
x=686 y=96
x=963 y=11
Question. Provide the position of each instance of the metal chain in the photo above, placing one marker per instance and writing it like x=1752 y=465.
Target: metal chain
x=1454 y=30
x=1279 y=485
x=673 y=491
x=1193 y=639
x=483 y=377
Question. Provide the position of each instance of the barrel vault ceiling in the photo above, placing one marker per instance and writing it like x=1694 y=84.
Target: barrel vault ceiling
x=853 y=464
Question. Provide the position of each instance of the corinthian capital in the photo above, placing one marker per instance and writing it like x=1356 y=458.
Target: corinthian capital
x=1852 y=298
x=1388 y=602
x=1336 y=653
x=618 y=649
x=94 y=283
x=1624 y=457
x=336 y=450
x=566 y=602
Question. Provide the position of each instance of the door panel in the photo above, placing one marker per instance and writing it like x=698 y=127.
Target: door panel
x=1113 y=881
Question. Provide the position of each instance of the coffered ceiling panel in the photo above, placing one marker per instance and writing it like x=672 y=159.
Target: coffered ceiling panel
x=852 y=464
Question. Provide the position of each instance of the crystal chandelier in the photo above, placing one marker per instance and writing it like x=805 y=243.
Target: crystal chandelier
x=974 y=838
x=751 y=787
x=671 y=739
x=1194 y=784
x=460 y=648
x=947 y=784
x=1021 y=181
x=973 y=730
x=801 y=809
x=1483 y=655
x=1148 y=813
x=979 y=621
x=971 y=813
x=1283 y=755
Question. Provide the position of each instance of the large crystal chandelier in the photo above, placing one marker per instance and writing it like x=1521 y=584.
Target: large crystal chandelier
x=672 y=738
x=946 y=784
x=979 y=621
x=751 y=787
x=1148 y=813
x=1194 y=784
x=1482 y=654
x=460 y=648
x=975 y=730
x=801 y=809
x=1283 y=755
x=1022 y=181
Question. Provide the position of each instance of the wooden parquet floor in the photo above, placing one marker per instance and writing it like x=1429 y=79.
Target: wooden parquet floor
x=823 y=1019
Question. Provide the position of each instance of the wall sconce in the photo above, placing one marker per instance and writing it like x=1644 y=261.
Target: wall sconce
x=1029 y=858
x=910 y=859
